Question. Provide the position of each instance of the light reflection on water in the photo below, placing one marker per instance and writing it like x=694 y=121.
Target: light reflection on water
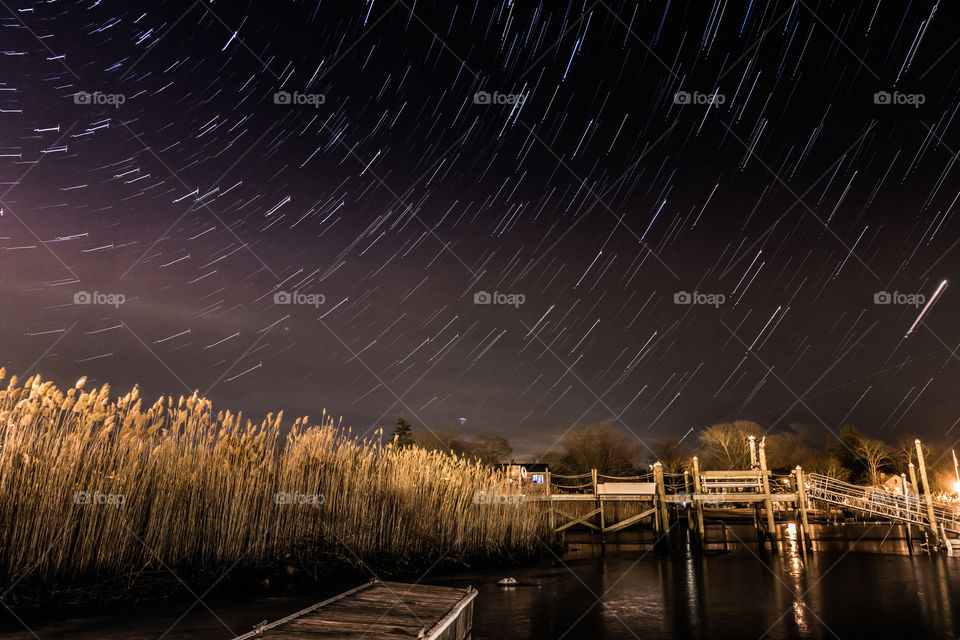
x=868 y=589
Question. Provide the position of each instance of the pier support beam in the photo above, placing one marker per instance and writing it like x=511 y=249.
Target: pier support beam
x=757 y=520
x=804 y=504
x=550 y=513
x=928 y=498
x=906 y=498
x=599 y=504
x=662 y=514
x=767 y=502
x=701 y=532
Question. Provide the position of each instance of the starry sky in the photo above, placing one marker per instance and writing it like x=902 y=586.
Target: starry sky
x=497 y=217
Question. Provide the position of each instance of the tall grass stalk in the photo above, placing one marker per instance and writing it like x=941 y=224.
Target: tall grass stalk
x=199 y=491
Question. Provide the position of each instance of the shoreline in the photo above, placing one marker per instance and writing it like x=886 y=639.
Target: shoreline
x=143 y=591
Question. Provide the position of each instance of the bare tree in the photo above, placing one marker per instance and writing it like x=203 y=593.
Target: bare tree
x=787 y=450
x=671 y=454
x=487 y=449
x=598 y=446
x=726 y=445
x=490 y=449
x=874 y=454
x=831 y=467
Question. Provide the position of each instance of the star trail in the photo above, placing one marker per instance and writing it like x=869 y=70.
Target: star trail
x=505 y=218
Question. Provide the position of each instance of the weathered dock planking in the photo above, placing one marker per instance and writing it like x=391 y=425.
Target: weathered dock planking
x=387 y=610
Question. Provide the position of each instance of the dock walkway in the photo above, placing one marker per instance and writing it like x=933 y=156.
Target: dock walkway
x=383 y=610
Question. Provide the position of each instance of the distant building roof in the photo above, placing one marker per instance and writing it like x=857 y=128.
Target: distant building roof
x=534 y=467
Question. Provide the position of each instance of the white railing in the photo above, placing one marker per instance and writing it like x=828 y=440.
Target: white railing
x=878 y=502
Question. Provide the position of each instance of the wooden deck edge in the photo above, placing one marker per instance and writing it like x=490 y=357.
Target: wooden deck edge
x=293 y=616
x=452 y=614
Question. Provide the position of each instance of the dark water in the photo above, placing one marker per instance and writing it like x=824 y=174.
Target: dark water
x=867 y=589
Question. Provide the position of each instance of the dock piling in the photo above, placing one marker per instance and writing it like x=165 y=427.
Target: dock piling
x=768 y=501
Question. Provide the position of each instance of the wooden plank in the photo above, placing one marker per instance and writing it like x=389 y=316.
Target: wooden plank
x=255 y=633
x=300 y=629
x=387 y=610
x=631 y=520
x=627 y=488
x=741 y=473
x=457 y=624
x=579 y=520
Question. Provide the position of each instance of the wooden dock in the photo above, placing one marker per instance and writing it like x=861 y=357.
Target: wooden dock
x=387 y=610
x=607 y=504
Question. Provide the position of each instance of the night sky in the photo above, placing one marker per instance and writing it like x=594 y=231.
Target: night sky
x=591 y=163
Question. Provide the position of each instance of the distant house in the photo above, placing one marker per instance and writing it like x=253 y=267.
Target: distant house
x=526 y=473
x=893 y=484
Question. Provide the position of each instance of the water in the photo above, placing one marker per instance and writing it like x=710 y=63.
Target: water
x=867 y=589
x=626 y=594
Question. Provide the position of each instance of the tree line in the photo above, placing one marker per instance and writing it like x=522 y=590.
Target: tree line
x=846 y=455
x=486 y=449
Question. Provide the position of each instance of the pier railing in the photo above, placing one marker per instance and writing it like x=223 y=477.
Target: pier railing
x=733 y=493
x=877 y=502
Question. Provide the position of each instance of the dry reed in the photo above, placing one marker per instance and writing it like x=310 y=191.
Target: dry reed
x=199 y=491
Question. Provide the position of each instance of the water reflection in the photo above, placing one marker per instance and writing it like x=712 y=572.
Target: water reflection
x=851 y=593
x=867 y=589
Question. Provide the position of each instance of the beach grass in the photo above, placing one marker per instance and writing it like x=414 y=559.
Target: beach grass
x=95 y=486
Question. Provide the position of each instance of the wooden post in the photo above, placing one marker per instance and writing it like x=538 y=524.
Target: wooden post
x=913 y=484
x=906 y=499
x=599 y=504
x=664 y=516
x=758 y=527
x=798 y=526
x=767 y=502
x=686 y=487
x=701 y=533
x=550 y=513
x=657 y=525
x=928 y=498
x=804 y=505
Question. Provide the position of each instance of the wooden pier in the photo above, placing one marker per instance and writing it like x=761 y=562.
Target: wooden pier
x=606 y=504
x=383 y=610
